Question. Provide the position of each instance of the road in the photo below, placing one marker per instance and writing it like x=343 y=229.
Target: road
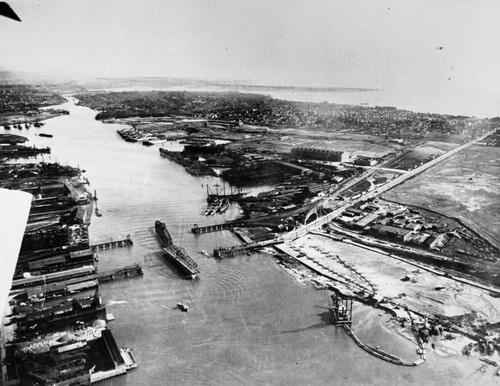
x=305 y=229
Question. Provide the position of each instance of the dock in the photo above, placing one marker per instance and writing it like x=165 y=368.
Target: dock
x=224 y=253
x=120 y=273
x=197 y=230
x=114 y=244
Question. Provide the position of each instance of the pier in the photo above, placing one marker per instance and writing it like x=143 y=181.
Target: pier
x=114 y=244
x=120 y=273
x=197 y=230
x=223 y=253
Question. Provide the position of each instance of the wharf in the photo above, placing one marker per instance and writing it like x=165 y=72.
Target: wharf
x=103 y=375
x=213 y=228
x=120 y=273
x=84 y=212
x=114 y=244
x=232 y=251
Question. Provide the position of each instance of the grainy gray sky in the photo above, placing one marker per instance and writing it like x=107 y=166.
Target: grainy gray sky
x=352 y=43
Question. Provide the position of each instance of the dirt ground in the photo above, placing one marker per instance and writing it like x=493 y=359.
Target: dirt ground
x=425 y=292
x=466 y=186
x=421 y=154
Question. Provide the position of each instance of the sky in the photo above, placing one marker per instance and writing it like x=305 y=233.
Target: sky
x=381 y=44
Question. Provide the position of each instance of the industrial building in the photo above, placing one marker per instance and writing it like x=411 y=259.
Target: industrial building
x=320 y=154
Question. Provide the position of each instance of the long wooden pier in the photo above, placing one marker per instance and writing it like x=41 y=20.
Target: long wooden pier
x=120 y=273
x=114 y=244
x=213 y=228
x=223 y=253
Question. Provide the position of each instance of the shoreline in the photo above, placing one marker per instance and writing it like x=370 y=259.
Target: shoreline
x=450 y=344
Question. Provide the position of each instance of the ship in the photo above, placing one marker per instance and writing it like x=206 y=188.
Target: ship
x=217 y=206
x=183 y=260
x=153 y=141
x=224 y=205
x=220 y=194
x=176 y=254
x=163 y=233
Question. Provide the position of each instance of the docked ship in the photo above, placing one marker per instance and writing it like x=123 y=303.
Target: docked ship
x=176 y=254
x=183 y=260
x=217 y=206
x=163 y=233
x=153 y=141
x=220 y=194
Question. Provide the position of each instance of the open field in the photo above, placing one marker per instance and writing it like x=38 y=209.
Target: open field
x=420 y=155
x=284 y=139
x=466 y=186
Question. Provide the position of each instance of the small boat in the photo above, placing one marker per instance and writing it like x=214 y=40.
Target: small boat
x=6 y=127
x=98 y=212
x=144 y=137
x=203 y=252
x=183 y=307
x=45 y=135
x=224 y=205
x=212 y=208
x=153 y=141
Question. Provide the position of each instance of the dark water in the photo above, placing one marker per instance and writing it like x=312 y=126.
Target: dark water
x=249 y=322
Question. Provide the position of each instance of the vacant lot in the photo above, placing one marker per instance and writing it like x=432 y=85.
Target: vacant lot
x=466 y=186
x=420 y=155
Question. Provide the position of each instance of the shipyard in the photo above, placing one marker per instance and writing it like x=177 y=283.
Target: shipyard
x=316 y=205
x=307 y=207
